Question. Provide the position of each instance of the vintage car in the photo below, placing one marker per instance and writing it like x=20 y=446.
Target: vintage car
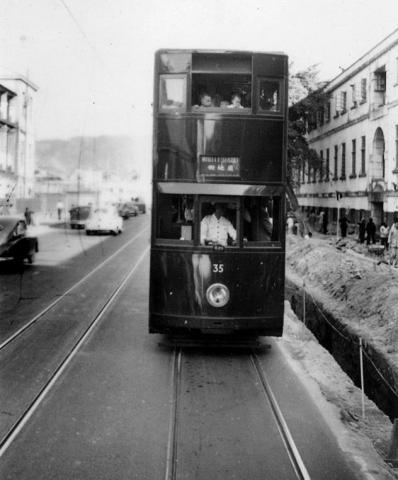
x=141 y=207
x=127 y=210
x=14 y=241
x=104 y=220
x=79 y=216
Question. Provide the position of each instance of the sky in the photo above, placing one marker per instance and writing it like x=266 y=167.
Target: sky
x=93 y=59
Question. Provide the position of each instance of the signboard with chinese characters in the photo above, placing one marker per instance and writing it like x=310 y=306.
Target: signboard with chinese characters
x=217 y=166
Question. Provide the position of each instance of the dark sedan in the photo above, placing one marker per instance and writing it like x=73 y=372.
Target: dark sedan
x=14 y=241
x=128 y=210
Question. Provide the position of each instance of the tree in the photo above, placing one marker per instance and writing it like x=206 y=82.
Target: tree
x=307 y=100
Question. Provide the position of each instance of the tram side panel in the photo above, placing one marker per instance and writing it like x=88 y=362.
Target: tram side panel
x=181 y=282
x=182 y=141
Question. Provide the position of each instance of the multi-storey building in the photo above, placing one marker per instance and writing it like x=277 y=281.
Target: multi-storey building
x=16 y=142
x=356 y=137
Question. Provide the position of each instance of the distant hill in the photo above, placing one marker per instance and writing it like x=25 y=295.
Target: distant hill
x=112 y=154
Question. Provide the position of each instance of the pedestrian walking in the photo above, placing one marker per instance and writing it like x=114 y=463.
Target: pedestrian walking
x=325 y=222
x=28 y=216
x=393 y=243
x=312 y=219
x=384 y=231
x=60 y=207
x=343 y=225
x=362 y=230
x=290 y=224
x=320 y=221
x=370 y=231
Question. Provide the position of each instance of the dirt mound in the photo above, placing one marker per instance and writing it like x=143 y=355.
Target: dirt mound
x=366 y=287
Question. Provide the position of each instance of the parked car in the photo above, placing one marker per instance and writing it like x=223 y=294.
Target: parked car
x=79 y=216
x=14 y=241
x=127 y=210
x=104 y=220
x=141 y=207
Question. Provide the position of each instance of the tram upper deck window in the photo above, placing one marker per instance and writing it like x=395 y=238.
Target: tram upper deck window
x=174 y=62
x=261 y=220
x=229 y=92
x=172 y=92
x=218 y=223
x=175 y=217
x=269 y=99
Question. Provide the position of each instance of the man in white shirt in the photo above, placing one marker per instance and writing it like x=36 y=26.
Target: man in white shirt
x=216 y=228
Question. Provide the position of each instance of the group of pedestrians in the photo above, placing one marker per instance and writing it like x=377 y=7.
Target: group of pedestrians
x=389 y=238
x=367 y=230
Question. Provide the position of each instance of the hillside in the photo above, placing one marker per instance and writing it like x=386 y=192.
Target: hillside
x=107 y=153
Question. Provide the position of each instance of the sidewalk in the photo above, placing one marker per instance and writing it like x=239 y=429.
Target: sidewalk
x=43 y=224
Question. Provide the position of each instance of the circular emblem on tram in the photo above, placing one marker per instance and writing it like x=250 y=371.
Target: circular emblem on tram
x=217 y=295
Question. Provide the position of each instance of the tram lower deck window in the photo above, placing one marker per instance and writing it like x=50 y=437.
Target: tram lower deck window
x=175 y=217
x=261 y=220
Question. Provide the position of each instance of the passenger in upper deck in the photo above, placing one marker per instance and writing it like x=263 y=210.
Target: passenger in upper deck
x=236 y=101
x=205 y=101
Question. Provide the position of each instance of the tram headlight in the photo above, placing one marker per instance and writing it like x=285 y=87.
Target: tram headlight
x=217 y=295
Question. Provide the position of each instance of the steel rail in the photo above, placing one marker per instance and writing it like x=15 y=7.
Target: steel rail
x=67 y=292
x=7 y=440
x=292 y=450
x=171 y=456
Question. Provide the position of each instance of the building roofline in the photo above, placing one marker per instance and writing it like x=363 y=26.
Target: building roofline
x=22 y=79
x=364 y=60
x=6 y=89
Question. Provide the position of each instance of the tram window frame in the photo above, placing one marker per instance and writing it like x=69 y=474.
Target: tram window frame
x=260 y=109
x=170 y=62
x=182 y=227
x=209 y=83
x=213 y=200
x=274 y=217
x=162 y=87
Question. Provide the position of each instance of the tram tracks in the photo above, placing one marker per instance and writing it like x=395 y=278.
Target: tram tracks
x=172 y=460
x=291 y=448
x=8 y=438
x=59 y=299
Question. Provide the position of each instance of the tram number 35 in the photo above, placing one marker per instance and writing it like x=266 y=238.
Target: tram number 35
x=218 y=267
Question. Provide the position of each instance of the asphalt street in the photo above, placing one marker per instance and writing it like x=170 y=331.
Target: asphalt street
x=108 y=415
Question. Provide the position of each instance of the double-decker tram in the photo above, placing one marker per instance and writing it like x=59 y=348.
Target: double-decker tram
x=218 y=223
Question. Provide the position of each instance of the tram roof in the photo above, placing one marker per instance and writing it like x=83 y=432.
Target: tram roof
x=218 y=51
x=219 y=189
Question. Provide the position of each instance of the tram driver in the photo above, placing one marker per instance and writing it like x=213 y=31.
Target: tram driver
x=215 y=228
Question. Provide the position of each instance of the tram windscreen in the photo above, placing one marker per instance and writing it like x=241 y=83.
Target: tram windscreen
x=218 y=225
x=218 y=221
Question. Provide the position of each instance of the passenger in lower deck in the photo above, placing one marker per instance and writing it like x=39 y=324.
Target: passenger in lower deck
x=258 y=224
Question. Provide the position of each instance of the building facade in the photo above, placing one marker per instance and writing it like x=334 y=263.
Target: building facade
x=17 y=162
x=356 y=137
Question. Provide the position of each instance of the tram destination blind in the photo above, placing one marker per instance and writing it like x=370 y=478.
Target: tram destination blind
x=218 y=166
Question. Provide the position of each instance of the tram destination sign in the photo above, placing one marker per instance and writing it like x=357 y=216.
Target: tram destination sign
x=218 y=166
